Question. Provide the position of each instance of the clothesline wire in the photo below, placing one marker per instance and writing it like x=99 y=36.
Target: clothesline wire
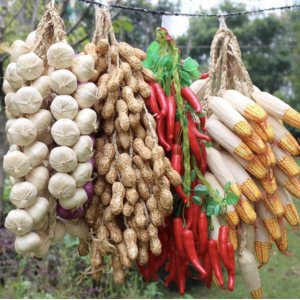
x=179 y=14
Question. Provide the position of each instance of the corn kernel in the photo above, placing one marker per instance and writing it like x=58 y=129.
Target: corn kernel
x=289 y=144
x=273 y=228
x=233 y=237
x=232 y=218
x=255 y=143
x=256 y=168
x=245 y=211
x=243 y=128
x=251 y=190
x=269 y=183
x=293 y=186
x=274 y=204
x=258 y=294
x=283 y=243
x=243 y=151
x=291 y=215
x=262 y=250
x=255 y=112
x=289 y=166
x=265 y=131
x=268 y=158
x=292 y=117
x=235 y=188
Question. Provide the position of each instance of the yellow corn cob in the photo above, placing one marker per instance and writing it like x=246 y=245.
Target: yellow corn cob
x=269 y=183
x=262 y=250
x=235 y=188
x=232 y=218
x=251 y=191
x=283 y=243
x=264 y=130
x=274 y=204
x=258 y=294
x=243 y=128
x=233 y=237
x=292 y=117
x=273 y=228
x=268 y=158
x=256 y=168
x=245 y=210
x=255 y=143
x=291 y=215
x=243 y=151
x=293 y=186
x=255 y=113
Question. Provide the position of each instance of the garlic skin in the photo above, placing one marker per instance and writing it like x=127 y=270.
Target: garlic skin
x=43 y=248
x=30 y=66
x=15 y=180
x=86 y=121
x=23 y=194
x=60 y=55
x=41 y=120
x=38 y=210
x=18 y=222
x=77 y=228
x=37 y=153
x=62 y=185
x=83 y=67
x=30 y=39
x=39 y=177
x=17 y=49
x=60 y=231
x=65 y=132
x=22 y=132
x=42 y=85
x=12 y=77
x=45 y=138
x=83 y=148
x=26 y=243
x=16 y=164
x=64 y=107
x=86 y=94
x=10 y=104
x=28 y=100
x=63 y=82
x=42 y=225
x=82 y=174
x=7 y=88
x=63 y=159
x=77 y=200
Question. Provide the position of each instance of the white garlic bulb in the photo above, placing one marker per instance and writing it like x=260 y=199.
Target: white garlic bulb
x=9 y=124
x=30 y=66
x=16 y=164
x=43 y=248
x=45 y=138
x=12 y=77
x=28 y=100
x=64 y=107
x=65 y=132
x=23 y=194
x=84 y=148
x=39 y=177
x=38 y=210
x=42 y=85
x=27 y=242
x=63 y=82
x=86 y=120
x=60 y=231
x=22 y=132
x=37 y=153
x=41 y=120
x=42 y=225
x=15 y=180
x=12 y=148
x=77 y=200
x=30 y=39
x=86 y=94
x=10 y=104
x=17 y=49
x=7 y=88
x=18 y=222
x=60 y=55
x=82 y=174
x=83 y=67
x=77 y=228
x=62 y=185
x=63 y=159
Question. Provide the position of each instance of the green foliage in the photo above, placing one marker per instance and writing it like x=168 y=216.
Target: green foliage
x=123 y=21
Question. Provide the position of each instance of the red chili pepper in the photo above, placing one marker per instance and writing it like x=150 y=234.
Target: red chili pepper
x=152 y=101
x=203 y=234
x=144 y=271
x=163 y=234
x=171 y=116
x=202 y=123
x=178 y=236
x=173 y=90
x=160 y=130
x=196 y=210
x=180 y=271
x=190 y=214
x=204 y=158
x=161 y=99
x=191 y=98
x=168 y=222
x=188 y=273
x=215 y=260
x=190 y=250
x=223 y=239
x=172 y=267
x=204 y=75
x=231 y=274
x=195 y=148
x=168 y=266
x=207 y=267
x=192 y=127
x=151 y=264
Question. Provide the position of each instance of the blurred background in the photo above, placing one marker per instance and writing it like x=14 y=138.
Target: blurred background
x=270 y=44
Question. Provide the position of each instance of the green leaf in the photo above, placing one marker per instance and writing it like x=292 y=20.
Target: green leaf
x=155 y=57
x=169 y=65
x=201 y=190
x=164 y=60
x=203 y=113
x=227 y=186
x=193 y=175
x=147 y=63
x=185 y=76
x=197 y=200
x=216 y=192
x=208 y=200
x=195 y=74
x=231 y=198
x=189 y=106
x=154 y=47
x=210 y=209
x=190 y=64
x=217 y=209
x=207 y=145
x=182 y=179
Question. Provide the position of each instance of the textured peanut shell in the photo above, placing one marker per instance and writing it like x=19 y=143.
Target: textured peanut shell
x=130 y=80
x=124 y=137
x=95 y=76
x=140 y=54
x=90 y=49
x=125 y=169
x=127 y=210
x=122 y=109
x=142 y=187
x=118 y=194
x=149 y=142
x=143 y=87
x=102 y=64
x=139 y=215
x=148 y=74
x=103 y=236
x=109 y=104
x=99 y=185
x=121 y=249
x=108 y=216
x=130 y=239
x=96 y=258
x=105 y=197
x=140 y=148
x=173 y=176
x=146 y=171
x=90 y=212
x=114 y=231
x=132 y=195
x=143 y=256
x=112 y=173
x=96 y=275
x=158 y=155
x=166 y=197
x=155 y=244
x=119 y=274
x=109 y=125
x=115 y=79
x=83 y=248
x=113 y=54
x=102 y=88
x=99 y=217
x=108 y=153
x=99 y=144
x=102 y=46
x=133 y=104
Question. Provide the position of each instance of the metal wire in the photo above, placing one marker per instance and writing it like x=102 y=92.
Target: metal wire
x=170 y=13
